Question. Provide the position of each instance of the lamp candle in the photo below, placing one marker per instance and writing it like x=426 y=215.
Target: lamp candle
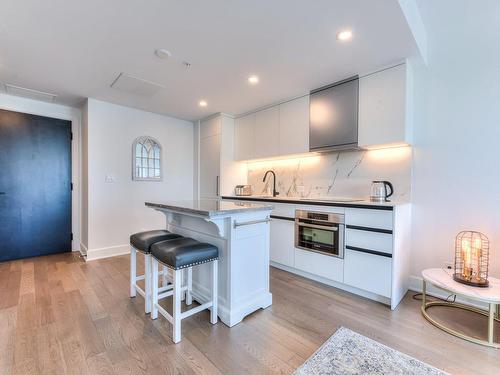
x=466 y=255
x=471 y=258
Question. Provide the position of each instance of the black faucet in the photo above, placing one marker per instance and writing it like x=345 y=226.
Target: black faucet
x=275 y=193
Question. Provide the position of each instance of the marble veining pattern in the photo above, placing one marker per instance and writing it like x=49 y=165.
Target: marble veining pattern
x=345 y=174
x=349 y=353
x=443 y=278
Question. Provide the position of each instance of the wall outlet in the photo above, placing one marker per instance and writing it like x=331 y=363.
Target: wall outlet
x=448 y=265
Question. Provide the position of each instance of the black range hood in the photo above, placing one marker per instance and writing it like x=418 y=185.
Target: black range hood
x=333 y=116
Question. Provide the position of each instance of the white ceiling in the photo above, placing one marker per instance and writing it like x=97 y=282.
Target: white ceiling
x=76 y=49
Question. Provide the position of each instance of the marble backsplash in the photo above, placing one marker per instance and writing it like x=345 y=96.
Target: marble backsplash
x=344 y=174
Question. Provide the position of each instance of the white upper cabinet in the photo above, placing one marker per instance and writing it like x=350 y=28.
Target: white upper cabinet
x=209 y=167
x=267 y=133
x=218 y=172
x=279 y=130
x=211 y=126
x=294 y=126
x=384 y=108
x=244 y=144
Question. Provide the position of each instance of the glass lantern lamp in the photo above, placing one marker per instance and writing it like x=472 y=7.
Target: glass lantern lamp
x=471 y=258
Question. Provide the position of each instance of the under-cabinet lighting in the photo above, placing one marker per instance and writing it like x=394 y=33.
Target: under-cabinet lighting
x=289 y=161
x=386 y=145
x=390 y=154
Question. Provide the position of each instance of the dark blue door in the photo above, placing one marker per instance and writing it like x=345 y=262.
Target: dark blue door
x=35 y=185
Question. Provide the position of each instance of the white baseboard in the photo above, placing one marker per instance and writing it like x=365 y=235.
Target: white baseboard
x=83 y=249
x=107 y=252
x=76 y=246
x=416 y=286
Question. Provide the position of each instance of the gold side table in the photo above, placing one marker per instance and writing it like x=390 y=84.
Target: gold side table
x=443 y=279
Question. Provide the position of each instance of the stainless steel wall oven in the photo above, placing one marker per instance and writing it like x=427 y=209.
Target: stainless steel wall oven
x=322 y=232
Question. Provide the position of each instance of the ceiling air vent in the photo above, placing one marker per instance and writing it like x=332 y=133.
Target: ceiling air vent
x=136 y=86
x=29 y=93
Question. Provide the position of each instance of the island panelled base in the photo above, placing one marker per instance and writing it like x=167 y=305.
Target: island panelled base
x=242 y=237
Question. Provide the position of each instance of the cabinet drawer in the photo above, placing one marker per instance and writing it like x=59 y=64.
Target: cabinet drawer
x=381 y=242
x=282 y=209
x=378 y=219
x=368 y=272
x=321 y=265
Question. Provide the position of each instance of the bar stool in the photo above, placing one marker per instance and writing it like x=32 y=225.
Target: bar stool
x=179 y=254
x=142 y=242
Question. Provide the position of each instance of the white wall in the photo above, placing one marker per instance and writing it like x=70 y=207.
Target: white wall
x=41 y=108
x=116 y=210
x=456 y=175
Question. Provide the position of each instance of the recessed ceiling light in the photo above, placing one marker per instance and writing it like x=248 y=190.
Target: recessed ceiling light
x=253 y=79
x=203 y=103
x=344 y=35
x=163 y=53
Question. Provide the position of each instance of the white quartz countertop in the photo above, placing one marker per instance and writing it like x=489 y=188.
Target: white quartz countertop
x=326 y=201
x=209 y=207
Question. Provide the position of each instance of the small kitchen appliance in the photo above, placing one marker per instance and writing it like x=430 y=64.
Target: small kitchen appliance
x=243 y=190
x=381 y=191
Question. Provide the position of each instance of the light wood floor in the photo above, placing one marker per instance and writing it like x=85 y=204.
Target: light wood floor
x=60 y=315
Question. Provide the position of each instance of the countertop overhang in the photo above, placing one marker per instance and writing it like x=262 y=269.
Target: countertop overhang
x=209 y=208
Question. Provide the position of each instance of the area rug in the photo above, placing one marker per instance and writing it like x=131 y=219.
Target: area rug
x=348 y=353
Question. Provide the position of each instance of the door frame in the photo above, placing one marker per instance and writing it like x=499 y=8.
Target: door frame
x=58 y=111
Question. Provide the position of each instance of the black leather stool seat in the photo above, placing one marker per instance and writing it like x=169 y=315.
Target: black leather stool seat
x=142 y=241
x=184 y=252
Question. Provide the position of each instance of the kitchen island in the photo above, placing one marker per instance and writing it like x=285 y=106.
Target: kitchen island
x=241 y=232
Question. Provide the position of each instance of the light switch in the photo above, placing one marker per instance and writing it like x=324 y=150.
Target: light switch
x=110 y=179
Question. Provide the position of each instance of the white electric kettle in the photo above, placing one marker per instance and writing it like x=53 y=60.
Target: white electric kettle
x=381 y=191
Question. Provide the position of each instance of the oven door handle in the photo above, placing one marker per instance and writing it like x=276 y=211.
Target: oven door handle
x=332 y=229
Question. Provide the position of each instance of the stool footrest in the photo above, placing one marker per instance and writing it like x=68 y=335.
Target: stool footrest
x=140 y=291
x=196 y=309
x=169 y=293
x=164 y=288
x=164 y=313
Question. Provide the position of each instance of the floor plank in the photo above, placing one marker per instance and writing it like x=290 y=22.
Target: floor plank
x=60 y=315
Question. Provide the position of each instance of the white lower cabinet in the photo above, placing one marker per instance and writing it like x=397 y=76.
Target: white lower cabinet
x=282 y=242
x=381 y=242
x=368 y=272
x=376 y=253
x=319 y=264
